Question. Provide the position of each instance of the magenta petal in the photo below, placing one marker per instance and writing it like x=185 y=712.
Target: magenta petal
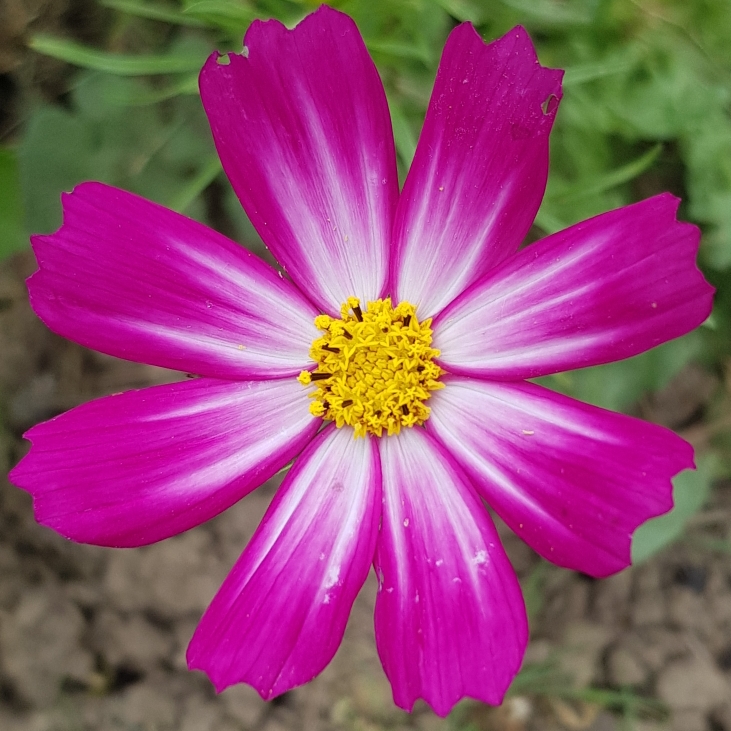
x=140 y=466
x=280 y=615
x=605 y=289
x=450 y=618
x=302 y=127
x=480 y=168
x=132 y=279
x=573 y=481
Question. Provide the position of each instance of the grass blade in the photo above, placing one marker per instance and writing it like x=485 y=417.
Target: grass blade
x=113 y=63
x=197 y=185
x=12 y=233
x=153 y=11
x=612 y=179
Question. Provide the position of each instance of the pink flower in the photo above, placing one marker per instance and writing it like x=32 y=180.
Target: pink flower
x=302 y=127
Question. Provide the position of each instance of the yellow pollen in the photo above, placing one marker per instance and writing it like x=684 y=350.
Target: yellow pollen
x=375 y=369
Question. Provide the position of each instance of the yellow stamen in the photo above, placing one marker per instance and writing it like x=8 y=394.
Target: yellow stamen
x=375 y=369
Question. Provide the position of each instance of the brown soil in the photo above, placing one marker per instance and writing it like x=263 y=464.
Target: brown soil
x=94 y=638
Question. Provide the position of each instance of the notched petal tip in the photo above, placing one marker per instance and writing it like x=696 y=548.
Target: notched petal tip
x=600 y=475
x=197 y=663
x=483 y=151
x=303 y=132
x=130 y=278
x=319 y=20
x=280 y=615
x=634 y=282
x=450 y=619
x=207 y=443
x=691 y=236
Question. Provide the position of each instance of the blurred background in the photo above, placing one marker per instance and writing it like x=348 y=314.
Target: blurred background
x=106 y=90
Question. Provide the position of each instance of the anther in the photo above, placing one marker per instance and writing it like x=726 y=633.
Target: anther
x=320 y=376
x=330 y=349
x=407 y=320
x=358 y=313
x=347 y=402
x=346 y=334
x=404 y=409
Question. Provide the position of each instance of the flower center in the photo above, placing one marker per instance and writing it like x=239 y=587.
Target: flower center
x=374 y=369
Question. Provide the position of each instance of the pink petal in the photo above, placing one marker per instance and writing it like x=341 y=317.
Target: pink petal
x=135 y=280
x=141 y=466
x=480 y=168
x=605 y=289
x=573 y=481
x=450 y=618
x=280 y=615
x=302 y=127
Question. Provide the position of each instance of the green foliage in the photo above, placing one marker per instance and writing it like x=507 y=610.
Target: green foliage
x=165 y=154
x=153 y=11
x=115 y=63
x=532 y=587
x=618 y=385
x=548 y=679
x=228 y=16
x=647 y=86
x=12 y=231
x=690 y=492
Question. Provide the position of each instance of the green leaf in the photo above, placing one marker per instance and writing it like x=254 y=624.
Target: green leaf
x=547 y=220
x=399 y=49
x=690 y=492
x=617 y=385
x=533 y=588
x=154 y=151
x=132 y=93
x=12 y=233
x=233 y=17
x=153 y=11
x=56 y=153
x=609 y=180
x=552 y=13
x=583 y=73
x=114 y=63
x=403 y=135
x=208 y=173
x=461 y=10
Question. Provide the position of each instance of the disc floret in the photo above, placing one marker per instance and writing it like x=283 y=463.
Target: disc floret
x=375 y=369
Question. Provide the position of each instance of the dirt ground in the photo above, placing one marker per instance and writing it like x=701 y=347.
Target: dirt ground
x=94 y=639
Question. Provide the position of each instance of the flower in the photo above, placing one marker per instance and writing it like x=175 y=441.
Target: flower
x=412 y=322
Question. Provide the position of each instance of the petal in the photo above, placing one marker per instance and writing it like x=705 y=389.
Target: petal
x=280 y=615
x=132 y=279
x=302 y=127
x=573 y=481
x=605 y=289
x=480 y=168
x=450 y=618
x=137 y=467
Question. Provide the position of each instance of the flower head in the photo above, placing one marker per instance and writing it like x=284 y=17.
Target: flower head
x=410 y=320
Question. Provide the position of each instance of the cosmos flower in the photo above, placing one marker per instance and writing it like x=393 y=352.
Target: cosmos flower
x=391 y=363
